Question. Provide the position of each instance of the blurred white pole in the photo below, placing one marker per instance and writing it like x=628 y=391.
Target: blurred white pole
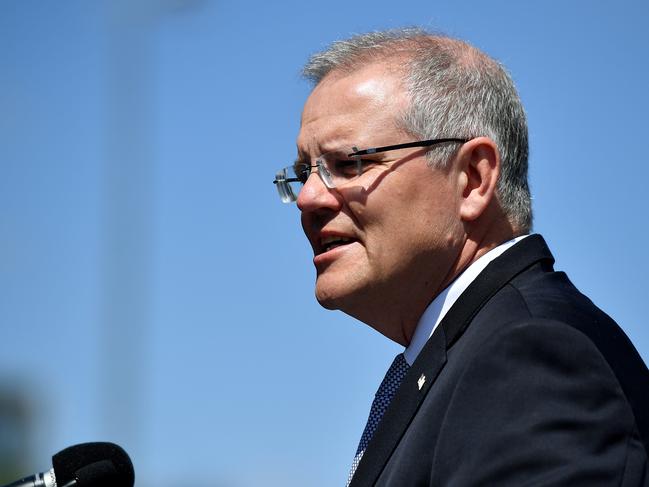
x=130 y=214
x=129 y=219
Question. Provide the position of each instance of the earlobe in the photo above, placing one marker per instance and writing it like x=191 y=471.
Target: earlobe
x=479 y=165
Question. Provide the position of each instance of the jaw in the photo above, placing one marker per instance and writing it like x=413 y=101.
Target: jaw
x=392 y=312
x=390 y=297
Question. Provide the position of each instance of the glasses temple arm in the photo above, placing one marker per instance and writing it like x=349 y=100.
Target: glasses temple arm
x=421 y=143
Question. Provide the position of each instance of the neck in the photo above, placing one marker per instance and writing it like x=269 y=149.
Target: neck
x=474 y=244
x=478 y=242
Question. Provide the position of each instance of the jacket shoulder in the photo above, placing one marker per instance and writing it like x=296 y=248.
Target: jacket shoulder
x=538 y=402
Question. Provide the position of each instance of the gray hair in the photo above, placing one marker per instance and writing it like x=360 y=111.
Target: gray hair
x=455 y=91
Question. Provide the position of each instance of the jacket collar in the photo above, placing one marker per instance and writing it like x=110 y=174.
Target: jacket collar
x=432 y=358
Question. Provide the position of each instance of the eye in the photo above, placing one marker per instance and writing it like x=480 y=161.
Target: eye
x=352 y=167
x=348 y=167
x=301 y=171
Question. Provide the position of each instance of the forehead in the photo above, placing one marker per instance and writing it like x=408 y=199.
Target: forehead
x=352 y=108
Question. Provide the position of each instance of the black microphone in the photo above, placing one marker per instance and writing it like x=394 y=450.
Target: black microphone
x=86 y=465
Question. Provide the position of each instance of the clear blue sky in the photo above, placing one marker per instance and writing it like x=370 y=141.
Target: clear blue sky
x=153 y=290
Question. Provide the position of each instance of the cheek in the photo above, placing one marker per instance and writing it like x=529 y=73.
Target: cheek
x=422 y=227
x=405 y=216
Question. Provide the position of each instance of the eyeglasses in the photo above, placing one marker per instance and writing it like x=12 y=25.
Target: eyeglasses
x=339 y=167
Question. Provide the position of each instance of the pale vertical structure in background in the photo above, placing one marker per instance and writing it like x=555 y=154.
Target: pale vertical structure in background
x=128 y=239
x=129 y=212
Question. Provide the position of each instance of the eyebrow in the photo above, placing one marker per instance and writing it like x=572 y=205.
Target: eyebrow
x=327 y=145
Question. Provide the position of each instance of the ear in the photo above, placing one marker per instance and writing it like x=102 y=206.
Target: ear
x=478 y=166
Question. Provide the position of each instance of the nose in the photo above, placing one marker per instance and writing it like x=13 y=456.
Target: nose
x=315 y=196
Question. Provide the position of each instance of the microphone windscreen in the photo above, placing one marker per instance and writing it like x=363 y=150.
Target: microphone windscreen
x=94 y=462
x=98 y=474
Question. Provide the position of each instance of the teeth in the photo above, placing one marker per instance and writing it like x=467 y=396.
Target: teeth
x=334 y=241
x=328 y=240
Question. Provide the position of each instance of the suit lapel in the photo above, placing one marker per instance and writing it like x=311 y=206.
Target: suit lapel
x=432 y=358
x=403 y=407
x=497 y=274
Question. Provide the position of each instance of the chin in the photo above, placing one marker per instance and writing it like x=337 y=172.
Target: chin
x=342 y=287
x=332 y=294
x=327 y=300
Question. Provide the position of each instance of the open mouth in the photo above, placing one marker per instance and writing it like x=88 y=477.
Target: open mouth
x=330 y=243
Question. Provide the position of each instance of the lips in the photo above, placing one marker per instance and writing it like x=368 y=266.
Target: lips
x=331 y=242
x=328 y=243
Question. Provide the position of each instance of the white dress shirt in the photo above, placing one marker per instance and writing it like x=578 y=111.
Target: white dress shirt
x=438 y=308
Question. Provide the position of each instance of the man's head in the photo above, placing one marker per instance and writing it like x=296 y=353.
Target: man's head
x=399 y=225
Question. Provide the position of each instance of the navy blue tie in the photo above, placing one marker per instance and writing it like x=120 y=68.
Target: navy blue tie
x=384 y=395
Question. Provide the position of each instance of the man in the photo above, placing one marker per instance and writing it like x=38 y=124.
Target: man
x=411 y=179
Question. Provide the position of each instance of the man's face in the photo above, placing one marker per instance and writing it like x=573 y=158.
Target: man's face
x=398 y=221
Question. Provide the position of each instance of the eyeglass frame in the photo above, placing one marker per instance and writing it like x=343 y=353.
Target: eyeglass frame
x=290 y=197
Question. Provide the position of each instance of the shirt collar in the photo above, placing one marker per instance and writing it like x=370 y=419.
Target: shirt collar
x=438 y=308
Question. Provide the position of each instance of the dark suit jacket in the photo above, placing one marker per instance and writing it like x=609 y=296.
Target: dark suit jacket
x=524 y=382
